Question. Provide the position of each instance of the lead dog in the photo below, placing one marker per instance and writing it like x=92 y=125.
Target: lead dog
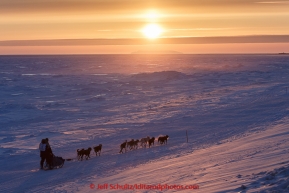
x=163 y=139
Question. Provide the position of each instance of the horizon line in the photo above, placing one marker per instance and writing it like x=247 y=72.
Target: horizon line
x=143 y=41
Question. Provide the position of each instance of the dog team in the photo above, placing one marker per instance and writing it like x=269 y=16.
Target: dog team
x=132 y=144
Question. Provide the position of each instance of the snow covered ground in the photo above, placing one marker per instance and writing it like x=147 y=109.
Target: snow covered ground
x=234 y=107
x=254 y=162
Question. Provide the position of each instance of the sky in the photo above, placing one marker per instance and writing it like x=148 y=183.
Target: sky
x=117 y=26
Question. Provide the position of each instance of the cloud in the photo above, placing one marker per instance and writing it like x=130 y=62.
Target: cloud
x=201 y=29
x=139 y=41
x=104 y=6
x=273 y=2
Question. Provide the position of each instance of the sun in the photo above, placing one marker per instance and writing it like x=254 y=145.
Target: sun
x=152 y=31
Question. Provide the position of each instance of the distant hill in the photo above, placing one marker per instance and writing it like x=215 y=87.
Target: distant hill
x=156 y=52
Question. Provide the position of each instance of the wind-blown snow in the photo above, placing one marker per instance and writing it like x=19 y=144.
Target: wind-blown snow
x=234 y=107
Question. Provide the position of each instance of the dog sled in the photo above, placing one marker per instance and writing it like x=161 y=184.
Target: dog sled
x=56 y=162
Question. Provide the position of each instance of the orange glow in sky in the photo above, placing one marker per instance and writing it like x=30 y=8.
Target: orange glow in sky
x=130 y=19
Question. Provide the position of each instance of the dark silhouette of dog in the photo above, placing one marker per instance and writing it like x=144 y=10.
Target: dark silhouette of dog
x=97 y=149
x=79 y=153
x=151 y=141
x=135 y=144
x=144 y=141
x=163 y=139
x=123 y=146
x=83 y=152
x=130 y=144
x=86 y=152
